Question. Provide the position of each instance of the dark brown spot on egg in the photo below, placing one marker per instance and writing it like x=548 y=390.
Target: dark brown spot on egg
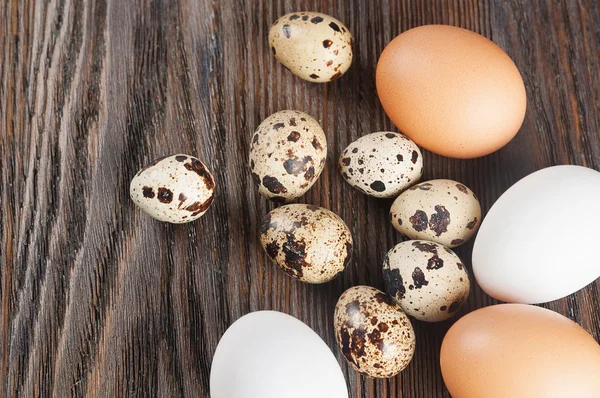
x=460 y=266
x=293 y=122
x=182 y=198
x=296 y=166
x=443 y=308
x=390 y=135
x=197 y=167
x=312 y=207
x=346 y=161
x=294 y=17
x=377 y=186
x=419 y=221
x=334 y=26
x=425 y=247
x=376 y=339
x=394 y=285
x=440 y=220
x=313 y=76
x=316 y=144
x=327 y=43
x=164 y=195
x=455 y=305
x=383 y=327
x=277 y=126
x=310 y=173
x=435 y=262
x=457 y=242
x=148 y=192
x=419 y=278
x=462 y=188
x=329 y=63
x=426 y=186
x=200 y=207
x=294 y=136
x=400 y=157
x=273 y=185
x=414 y=157
x=180 y=158
x=273 y=50
x=295 y=255
x=287 y=30
x=255 y=139
x=305 y=18
x=272 y=249
x=316 y=20
x=472 y=224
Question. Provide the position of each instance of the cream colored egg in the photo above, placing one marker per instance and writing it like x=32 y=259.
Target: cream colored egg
x=373 y=333
x=287 y=155
x=308 y=242
x=175 y=189
x=313 y=46
x=442 y=211
x=382 y=164
x=427 y=279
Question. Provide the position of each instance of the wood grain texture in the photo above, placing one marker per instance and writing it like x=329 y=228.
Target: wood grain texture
x=97 y=299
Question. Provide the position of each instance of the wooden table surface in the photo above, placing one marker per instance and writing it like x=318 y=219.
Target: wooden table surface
x=97 y=299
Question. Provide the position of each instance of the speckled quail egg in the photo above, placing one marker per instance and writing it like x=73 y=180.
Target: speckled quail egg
x=382 y=164
x=374 y=334
x=313 y=46
x=175 y=189
x=442 y=211
x=308 y=242
x=287 y=154
x=427 y=279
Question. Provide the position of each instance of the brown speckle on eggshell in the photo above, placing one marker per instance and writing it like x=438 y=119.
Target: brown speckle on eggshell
x=373 y=333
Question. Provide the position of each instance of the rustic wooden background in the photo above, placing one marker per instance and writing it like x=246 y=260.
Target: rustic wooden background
x=97 y=299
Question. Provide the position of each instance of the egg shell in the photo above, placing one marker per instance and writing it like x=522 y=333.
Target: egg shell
x=313 y=46
x=268 y=354
x=539 y=241
x=373 y=333
x=427 y=279
x=287 y=155
x=176 y=189
x=442 y=211
x=519 y=351
x=382 y=164
x=308 y=242
x=452 y=91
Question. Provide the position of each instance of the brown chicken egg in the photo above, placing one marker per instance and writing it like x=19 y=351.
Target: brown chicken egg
x=519 y=351
x=452 y=91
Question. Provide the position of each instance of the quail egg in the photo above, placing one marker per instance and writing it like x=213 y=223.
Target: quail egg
x=287 y=154
x=374 y=334
x=442 y=211
x=313 y=46
x=175 y=189
x=307 y=242
x=382 y=164
x=427 y=279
